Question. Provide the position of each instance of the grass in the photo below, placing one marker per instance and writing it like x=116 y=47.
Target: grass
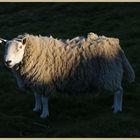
x=71 y=116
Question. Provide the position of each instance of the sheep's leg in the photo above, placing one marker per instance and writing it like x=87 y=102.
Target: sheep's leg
x=45 y=111
x=37 y=102
x=20 y=83
x=118 y=99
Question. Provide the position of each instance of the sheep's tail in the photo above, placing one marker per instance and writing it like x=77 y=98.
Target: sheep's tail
x=128 y=70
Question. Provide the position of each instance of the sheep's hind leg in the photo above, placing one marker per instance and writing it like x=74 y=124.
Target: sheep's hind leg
x=118 y=99
x=45 y=111
x=37 y=107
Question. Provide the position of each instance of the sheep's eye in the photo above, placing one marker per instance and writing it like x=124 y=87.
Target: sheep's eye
x=20 y=47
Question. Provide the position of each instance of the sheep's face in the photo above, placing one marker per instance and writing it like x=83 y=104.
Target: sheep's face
x=14 y=51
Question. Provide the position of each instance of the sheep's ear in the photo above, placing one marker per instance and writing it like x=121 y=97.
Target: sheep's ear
x=3 y=41
x=24 y=41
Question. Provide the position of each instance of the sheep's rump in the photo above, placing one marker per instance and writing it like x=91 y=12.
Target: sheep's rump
x=74 y=65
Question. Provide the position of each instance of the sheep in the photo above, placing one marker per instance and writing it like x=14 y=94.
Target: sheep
x=44 y=64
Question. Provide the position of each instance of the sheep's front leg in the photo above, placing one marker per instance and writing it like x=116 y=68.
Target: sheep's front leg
x=37 y=102
x=118 y=99
x=45 y=111
x=20 y=83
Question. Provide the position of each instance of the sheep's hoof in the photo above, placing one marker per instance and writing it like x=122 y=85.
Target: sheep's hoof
x=37 y=110
x=118 y=111
x=44 y=116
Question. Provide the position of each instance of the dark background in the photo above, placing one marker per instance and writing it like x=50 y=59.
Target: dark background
x=71 y=116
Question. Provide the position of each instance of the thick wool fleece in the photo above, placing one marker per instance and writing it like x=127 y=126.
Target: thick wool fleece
x=73 y=66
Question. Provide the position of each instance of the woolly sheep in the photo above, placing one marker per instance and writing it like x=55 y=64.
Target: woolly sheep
x=45 y=64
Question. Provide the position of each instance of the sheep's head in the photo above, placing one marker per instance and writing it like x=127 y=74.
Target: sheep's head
x=14 y=51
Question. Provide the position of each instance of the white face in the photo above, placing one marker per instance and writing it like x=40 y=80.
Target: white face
x=14 y=51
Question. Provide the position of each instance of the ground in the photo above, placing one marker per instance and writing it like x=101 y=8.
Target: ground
x=71 y=116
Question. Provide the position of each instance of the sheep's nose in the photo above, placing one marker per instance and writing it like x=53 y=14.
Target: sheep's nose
x=8 y=62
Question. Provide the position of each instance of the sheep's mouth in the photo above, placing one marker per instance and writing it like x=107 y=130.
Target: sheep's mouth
x=8 y=65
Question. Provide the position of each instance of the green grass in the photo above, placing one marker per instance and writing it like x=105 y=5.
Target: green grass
x=71 y=116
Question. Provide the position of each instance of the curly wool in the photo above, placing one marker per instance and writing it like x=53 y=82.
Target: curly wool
x=72 y=66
